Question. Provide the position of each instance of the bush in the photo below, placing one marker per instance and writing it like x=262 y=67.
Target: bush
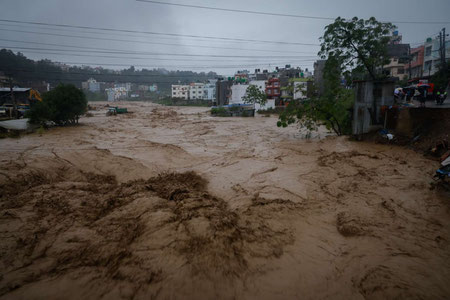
x=63 y=105
x=220 y=111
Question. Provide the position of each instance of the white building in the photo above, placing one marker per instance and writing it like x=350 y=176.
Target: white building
x=91 y=85
x=432 y=58
x=196 y=91
x=238 y=91
x=126 y=86
x=180 y=91
x=209 y=92
x=300 y=89
x=117 y=93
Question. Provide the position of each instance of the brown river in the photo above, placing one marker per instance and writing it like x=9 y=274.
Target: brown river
x=171 y=203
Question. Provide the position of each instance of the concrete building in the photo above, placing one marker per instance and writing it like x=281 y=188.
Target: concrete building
x=399 y=57
x=196 y=91
x=319 y=67
x=415 y=67
x=180 y=91
x=223 y=92
x=91 y=85
x=116 y=93
x=209 y=91
x=273 y=88
x=237 y=92
x=126 y=86
x=300 y=86
x=432 y=58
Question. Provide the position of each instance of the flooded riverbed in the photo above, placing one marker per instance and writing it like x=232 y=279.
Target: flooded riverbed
x=169 y=202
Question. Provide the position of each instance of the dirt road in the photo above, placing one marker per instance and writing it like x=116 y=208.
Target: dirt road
x=170 y=203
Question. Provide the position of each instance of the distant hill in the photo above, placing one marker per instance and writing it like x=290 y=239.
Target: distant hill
x=28 y=72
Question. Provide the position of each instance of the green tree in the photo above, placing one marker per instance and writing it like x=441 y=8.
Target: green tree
x=441 y=79
x=357 y=44
x=62 y=105
x=255 y=95
x=332 y=109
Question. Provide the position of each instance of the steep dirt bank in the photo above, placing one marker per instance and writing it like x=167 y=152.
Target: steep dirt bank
x=171 y=203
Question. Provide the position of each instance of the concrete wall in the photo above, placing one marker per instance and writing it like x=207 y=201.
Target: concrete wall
x=363 y=102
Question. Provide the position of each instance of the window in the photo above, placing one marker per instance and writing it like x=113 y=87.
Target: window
x=428 y=51
x=269 y=91
x=400 y=71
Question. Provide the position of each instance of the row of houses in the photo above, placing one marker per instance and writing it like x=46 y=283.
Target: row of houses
x=118 y=91
x=280 y=86
x=195 y=91
x=415 y=63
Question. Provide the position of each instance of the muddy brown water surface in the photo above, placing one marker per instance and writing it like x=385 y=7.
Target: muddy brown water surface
x=170 y=203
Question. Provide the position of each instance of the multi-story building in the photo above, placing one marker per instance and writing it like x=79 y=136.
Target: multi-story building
x=91 y=85
x=223 y=91
x=116 y=93
x=180 y=91
x=273 y=88
x=126 y=86
x=196 y=91
x=209 y=91
x=432 y=57
x=238 y=91
x=415 y=68
x=399 y=57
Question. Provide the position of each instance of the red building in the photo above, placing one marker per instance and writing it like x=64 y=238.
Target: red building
x=417 y=55
x=273 y=88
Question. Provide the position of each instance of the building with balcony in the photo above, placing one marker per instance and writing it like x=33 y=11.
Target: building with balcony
x=180 y=91
x=398 y=64
x=273 y=89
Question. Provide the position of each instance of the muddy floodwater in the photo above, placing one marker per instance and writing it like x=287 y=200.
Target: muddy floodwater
x=171 y=203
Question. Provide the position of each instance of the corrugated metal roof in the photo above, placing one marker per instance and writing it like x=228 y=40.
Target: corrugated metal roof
x=15 y=89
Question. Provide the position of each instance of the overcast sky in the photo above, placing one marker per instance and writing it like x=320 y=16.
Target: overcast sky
x=140 y=16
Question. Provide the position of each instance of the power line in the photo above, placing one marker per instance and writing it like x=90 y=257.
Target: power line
x=152 y=43
x=157 y=33
x=276 y=14
x=162 y=54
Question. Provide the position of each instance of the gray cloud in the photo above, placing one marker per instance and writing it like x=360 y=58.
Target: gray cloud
x=129 y=14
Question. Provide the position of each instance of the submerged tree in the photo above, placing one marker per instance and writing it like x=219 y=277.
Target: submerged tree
x=357 y=44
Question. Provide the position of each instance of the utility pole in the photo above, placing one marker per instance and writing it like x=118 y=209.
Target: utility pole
x=410 y=58
x=13 y=98
x=443 y=47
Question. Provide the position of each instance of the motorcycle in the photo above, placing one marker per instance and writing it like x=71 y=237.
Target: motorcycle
x=440 y=98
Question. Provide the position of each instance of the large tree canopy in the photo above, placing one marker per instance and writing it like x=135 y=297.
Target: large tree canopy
x=255 y=95
x=331 y=109
x=62 y=105
x=357 y=44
